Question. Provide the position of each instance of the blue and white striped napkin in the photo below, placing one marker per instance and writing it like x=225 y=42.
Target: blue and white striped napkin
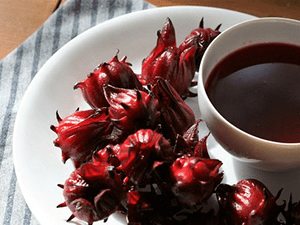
x=20 y=66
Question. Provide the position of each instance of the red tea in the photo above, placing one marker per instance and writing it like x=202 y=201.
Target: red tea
x=257 y=89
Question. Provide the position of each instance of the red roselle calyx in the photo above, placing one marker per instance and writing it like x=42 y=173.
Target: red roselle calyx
x=190 y=144
x=171 y=63
x=195 y=179
x=139 y=152
x=117 y=73
x=191 y=138
x=79 y=134
x=131 y=109
x=137 y=155
x=206 y=36
x=92 y=192
x=248 y=202
x=176 y=116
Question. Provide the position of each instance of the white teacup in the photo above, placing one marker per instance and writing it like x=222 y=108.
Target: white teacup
x=261 y=153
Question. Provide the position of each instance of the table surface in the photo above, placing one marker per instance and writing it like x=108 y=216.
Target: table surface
x=20 y=18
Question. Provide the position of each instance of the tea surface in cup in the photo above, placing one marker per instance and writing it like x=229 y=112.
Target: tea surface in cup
x=257 y=89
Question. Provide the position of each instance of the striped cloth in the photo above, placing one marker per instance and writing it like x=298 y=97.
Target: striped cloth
x=17 y=71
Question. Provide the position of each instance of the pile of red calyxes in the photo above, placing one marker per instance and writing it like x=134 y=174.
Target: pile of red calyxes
x=137 y=150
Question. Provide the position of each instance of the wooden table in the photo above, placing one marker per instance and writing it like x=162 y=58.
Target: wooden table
x=20 y=18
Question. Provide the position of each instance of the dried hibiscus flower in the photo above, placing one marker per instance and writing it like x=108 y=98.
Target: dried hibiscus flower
x=117 y=73
x=248 y=202
x=176 y=115
x=195 y=179
x=138 y=154
x=92 y=192
x=131 y=109
x=206 y=36
x=79 y=134
x=171 y=63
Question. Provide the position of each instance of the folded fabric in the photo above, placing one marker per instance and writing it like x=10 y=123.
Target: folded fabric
x=18 y=69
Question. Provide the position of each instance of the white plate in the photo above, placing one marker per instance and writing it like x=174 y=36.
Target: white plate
x=38 y=163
